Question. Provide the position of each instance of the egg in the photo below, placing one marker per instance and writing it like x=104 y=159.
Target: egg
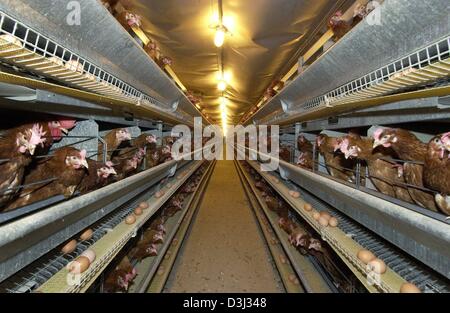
x=307 y=207
x=377 y=266
x=90 y=254
x=169 y=185
x=365 y=256
x=130 y=219
x=325 y=215
x=294 y=194
x=69 y=247
x=292 y=278
x=138 y=211
x=143 y=205
x=409 y=288
x=276 y=180
x=159 y=194
x=86 y=235
x=323 y=221
x=316 y=215
x=283 y=259
x=80 y=265
x=333 y=222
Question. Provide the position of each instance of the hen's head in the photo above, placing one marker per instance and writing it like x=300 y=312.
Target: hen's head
x=123 y=134
x=133 y=20
x=28 y=139
x=76 y=159
x=335 y=19
x=320 y=139
x=167 y=61
x=106 y=170
x=151 y=138
x=124 y=278
x=349 y=148
x=445 y=138
x=177 y=203
x=384 y=137
x=158 y=237
x=166 y=149
x=301 y=159
x=438 y=146
x=151 y=250
x=360 y=11
x=301 y=139
x=58 y=127
x=315 y=244
x=133 y=162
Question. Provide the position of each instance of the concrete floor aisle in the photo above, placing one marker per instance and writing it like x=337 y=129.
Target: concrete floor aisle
x=224 y=250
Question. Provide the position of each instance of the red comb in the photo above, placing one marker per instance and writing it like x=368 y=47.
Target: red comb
x=67 y=124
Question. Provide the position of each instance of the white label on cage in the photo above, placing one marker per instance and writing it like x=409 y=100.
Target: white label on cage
x=284 y=173
x=172 y=170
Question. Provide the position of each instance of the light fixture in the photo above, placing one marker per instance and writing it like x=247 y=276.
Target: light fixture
x=222 y=85
x=219 y=37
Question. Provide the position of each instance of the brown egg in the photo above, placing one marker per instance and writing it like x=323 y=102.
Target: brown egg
x=323 y=221
x=377 y=266
x=282 y=259
x=159 y=194
x=276 y=180
x=90 y=254
x=143 y=205
x=316 y=215
x=80 y=265
x=69 y=247
x=86 y=235
x=307 y=207
x=292 y=277
x=130 y=219
x=333 y=222
x=409 y=288
x=138 y=211
x=365 y=256
x=294 y=194
x=325 y=215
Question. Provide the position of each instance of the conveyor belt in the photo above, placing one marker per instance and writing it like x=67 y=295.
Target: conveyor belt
x=224 y=251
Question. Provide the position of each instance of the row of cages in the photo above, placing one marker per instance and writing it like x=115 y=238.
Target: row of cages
x=121 y=251
x=47 y=160
x=399 y=163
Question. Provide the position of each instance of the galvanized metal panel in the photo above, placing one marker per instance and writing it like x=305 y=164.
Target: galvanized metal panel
x=406 y=25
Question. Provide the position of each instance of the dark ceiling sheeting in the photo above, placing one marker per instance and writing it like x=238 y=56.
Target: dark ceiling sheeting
x=267 y=34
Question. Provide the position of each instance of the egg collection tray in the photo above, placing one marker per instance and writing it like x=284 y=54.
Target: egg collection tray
x=44 y=272
x=112 y=243
x=349 y=238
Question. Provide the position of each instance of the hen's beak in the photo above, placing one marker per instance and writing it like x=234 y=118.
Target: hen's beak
x=31 y=148
x=347 y=154
x=64 y=130
x=112 y=171
x=84 y=163
x=377 y=143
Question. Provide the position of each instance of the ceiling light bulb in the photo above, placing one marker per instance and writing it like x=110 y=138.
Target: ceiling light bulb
x=222 y=85
x=219 y=37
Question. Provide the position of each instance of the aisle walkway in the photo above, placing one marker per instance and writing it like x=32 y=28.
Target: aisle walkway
x=224 y=252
